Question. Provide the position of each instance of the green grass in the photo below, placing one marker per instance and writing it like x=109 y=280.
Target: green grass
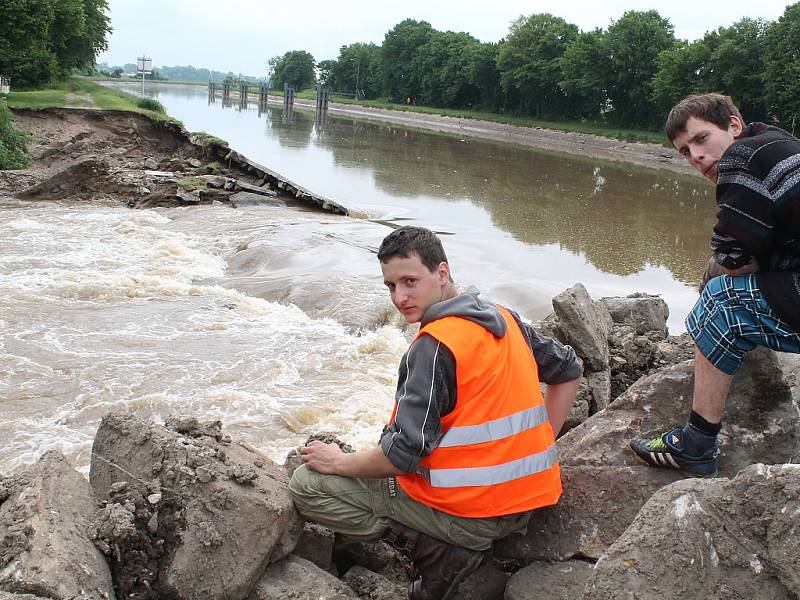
x=600 y=129
x=81 y=93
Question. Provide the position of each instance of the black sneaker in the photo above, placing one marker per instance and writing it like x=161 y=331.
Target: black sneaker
x=666 y=450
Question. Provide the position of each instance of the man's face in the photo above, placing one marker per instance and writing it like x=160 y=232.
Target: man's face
x=412 y=286
x=703 y=143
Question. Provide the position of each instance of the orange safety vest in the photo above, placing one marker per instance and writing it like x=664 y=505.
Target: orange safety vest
x=497 y=454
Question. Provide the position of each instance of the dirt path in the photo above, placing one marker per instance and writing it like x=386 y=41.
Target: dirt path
x=583 y=144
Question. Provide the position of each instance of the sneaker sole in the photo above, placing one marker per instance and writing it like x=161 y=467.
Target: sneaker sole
x=678 y=469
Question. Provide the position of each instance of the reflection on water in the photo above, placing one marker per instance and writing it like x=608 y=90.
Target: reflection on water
x=525 y=223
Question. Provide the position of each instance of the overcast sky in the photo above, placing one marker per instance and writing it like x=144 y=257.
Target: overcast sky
x=241 y=35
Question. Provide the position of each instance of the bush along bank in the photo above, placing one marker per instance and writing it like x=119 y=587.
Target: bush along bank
x=13 y=142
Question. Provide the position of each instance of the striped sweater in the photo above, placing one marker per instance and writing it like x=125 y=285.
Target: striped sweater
x=758 y=195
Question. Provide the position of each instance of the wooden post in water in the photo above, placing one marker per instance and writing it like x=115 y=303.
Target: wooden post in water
x=212 y=92
x=226 y=93
x=263 y=98
x=243 y=91
x=288 y=96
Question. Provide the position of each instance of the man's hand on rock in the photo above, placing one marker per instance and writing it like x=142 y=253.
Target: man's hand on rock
x=320 y=457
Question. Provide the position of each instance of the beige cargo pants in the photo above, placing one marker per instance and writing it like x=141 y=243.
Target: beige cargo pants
x=362 y=508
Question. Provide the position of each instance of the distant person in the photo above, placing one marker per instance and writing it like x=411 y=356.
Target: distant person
x=752 y=294
x=469 y=449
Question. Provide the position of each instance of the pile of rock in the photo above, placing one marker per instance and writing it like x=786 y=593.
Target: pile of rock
x=182 y=511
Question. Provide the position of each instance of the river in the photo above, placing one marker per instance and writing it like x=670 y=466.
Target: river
x=275 y=320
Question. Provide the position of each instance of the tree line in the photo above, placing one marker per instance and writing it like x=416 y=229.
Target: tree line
x=629 y=73
x=44 y=40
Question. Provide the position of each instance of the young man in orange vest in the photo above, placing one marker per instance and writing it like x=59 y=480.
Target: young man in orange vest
x=470 y=447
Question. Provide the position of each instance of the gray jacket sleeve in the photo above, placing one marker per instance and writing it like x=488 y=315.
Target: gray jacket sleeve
x=557 y=362
x=425 y=392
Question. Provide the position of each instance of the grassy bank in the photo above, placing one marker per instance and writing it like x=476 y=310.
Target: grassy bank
x=80 y=93
x=599 y=129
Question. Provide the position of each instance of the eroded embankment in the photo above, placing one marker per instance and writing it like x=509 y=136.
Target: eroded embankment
x=87 y=154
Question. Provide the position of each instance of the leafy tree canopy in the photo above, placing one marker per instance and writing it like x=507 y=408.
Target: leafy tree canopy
x=296 y=68
x=41 y=40
x=782 y=71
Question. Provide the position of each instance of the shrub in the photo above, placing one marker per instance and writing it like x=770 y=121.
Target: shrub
x=13 y=150
x=151 y=104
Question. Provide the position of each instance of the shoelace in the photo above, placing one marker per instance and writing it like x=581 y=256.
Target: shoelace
x=656 y=444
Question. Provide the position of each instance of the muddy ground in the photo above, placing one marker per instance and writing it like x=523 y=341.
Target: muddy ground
x=88 y=154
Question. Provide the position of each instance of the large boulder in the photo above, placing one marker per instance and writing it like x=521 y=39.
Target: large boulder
x=45 y=550
x=714 y=538
x=599 y=471
x=585 y=325
x=190 y=514
x=643 y=312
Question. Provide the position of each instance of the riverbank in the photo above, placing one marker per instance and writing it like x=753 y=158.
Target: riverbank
x=642 y=154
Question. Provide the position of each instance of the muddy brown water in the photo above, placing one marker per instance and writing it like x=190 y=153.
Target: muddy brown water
x=275 y=320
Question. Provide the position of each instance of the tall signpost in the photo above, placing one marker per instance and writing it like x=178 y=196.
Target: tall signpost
x=144 y=65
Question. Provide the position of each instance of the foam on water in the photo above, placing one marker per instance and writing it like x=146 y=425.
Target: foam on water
x=106 y=309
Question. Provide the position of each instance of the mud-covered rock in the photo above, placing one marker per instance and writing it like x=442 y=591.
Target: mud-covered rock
x=714 y=538
x=244 y=199
x=585 y=325
x=297 y=579
x=487 y=582
x=45 y=549
x=189 y=515
x=372 y=586
x=376 y=556
x=81 y=180
x=551 y=580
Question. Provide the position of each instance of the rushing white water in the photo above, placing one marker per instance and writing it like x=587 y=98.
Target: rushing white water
x=105 y=308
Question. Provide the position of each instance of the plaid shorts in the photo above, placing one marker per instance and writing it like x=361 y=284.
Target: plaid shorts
x=731 y=318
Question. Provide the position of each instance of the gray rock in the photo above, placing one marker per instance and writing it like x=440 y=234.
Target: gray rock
x=242 y=199
x=298 y=579
x=760 y=422
x=597 y=505
x=585 y=325
x=643 y=312
x=487 y=582
x=373 y=586
x=194 y=163
x=150 y=163
x=714 y=538
x=316 y=545
x=44 y=546
x=551 y=580
x=224 y=509
x=599 y=386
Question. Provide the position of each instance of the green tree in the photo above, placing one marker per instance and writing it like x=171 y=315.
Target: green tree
x=41 y=40
x=358 y=65
x=399 y=78
x=296 y=68
x=583 y=70
x=325 y=72
x=782 y=66
x=634 y=43
x=529 y=62
x=455 y=70
x=729 y=60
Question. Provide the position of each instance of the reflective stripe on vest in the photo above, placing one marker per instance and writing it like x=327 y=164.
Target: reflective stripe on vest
x=478 y=476
x=495 y=430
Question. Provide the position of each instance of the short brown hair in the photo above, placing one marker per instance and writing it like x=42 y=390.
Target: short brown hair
x=406 y=240
x=714 y=108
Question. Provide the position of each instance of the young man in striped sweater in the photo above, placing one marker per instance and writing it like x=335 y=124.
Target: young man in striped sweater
x=755 y=300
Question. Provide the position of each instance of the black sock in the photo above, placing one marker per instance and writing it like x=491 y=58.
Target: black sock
x=705 y=427
x=699 y=436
